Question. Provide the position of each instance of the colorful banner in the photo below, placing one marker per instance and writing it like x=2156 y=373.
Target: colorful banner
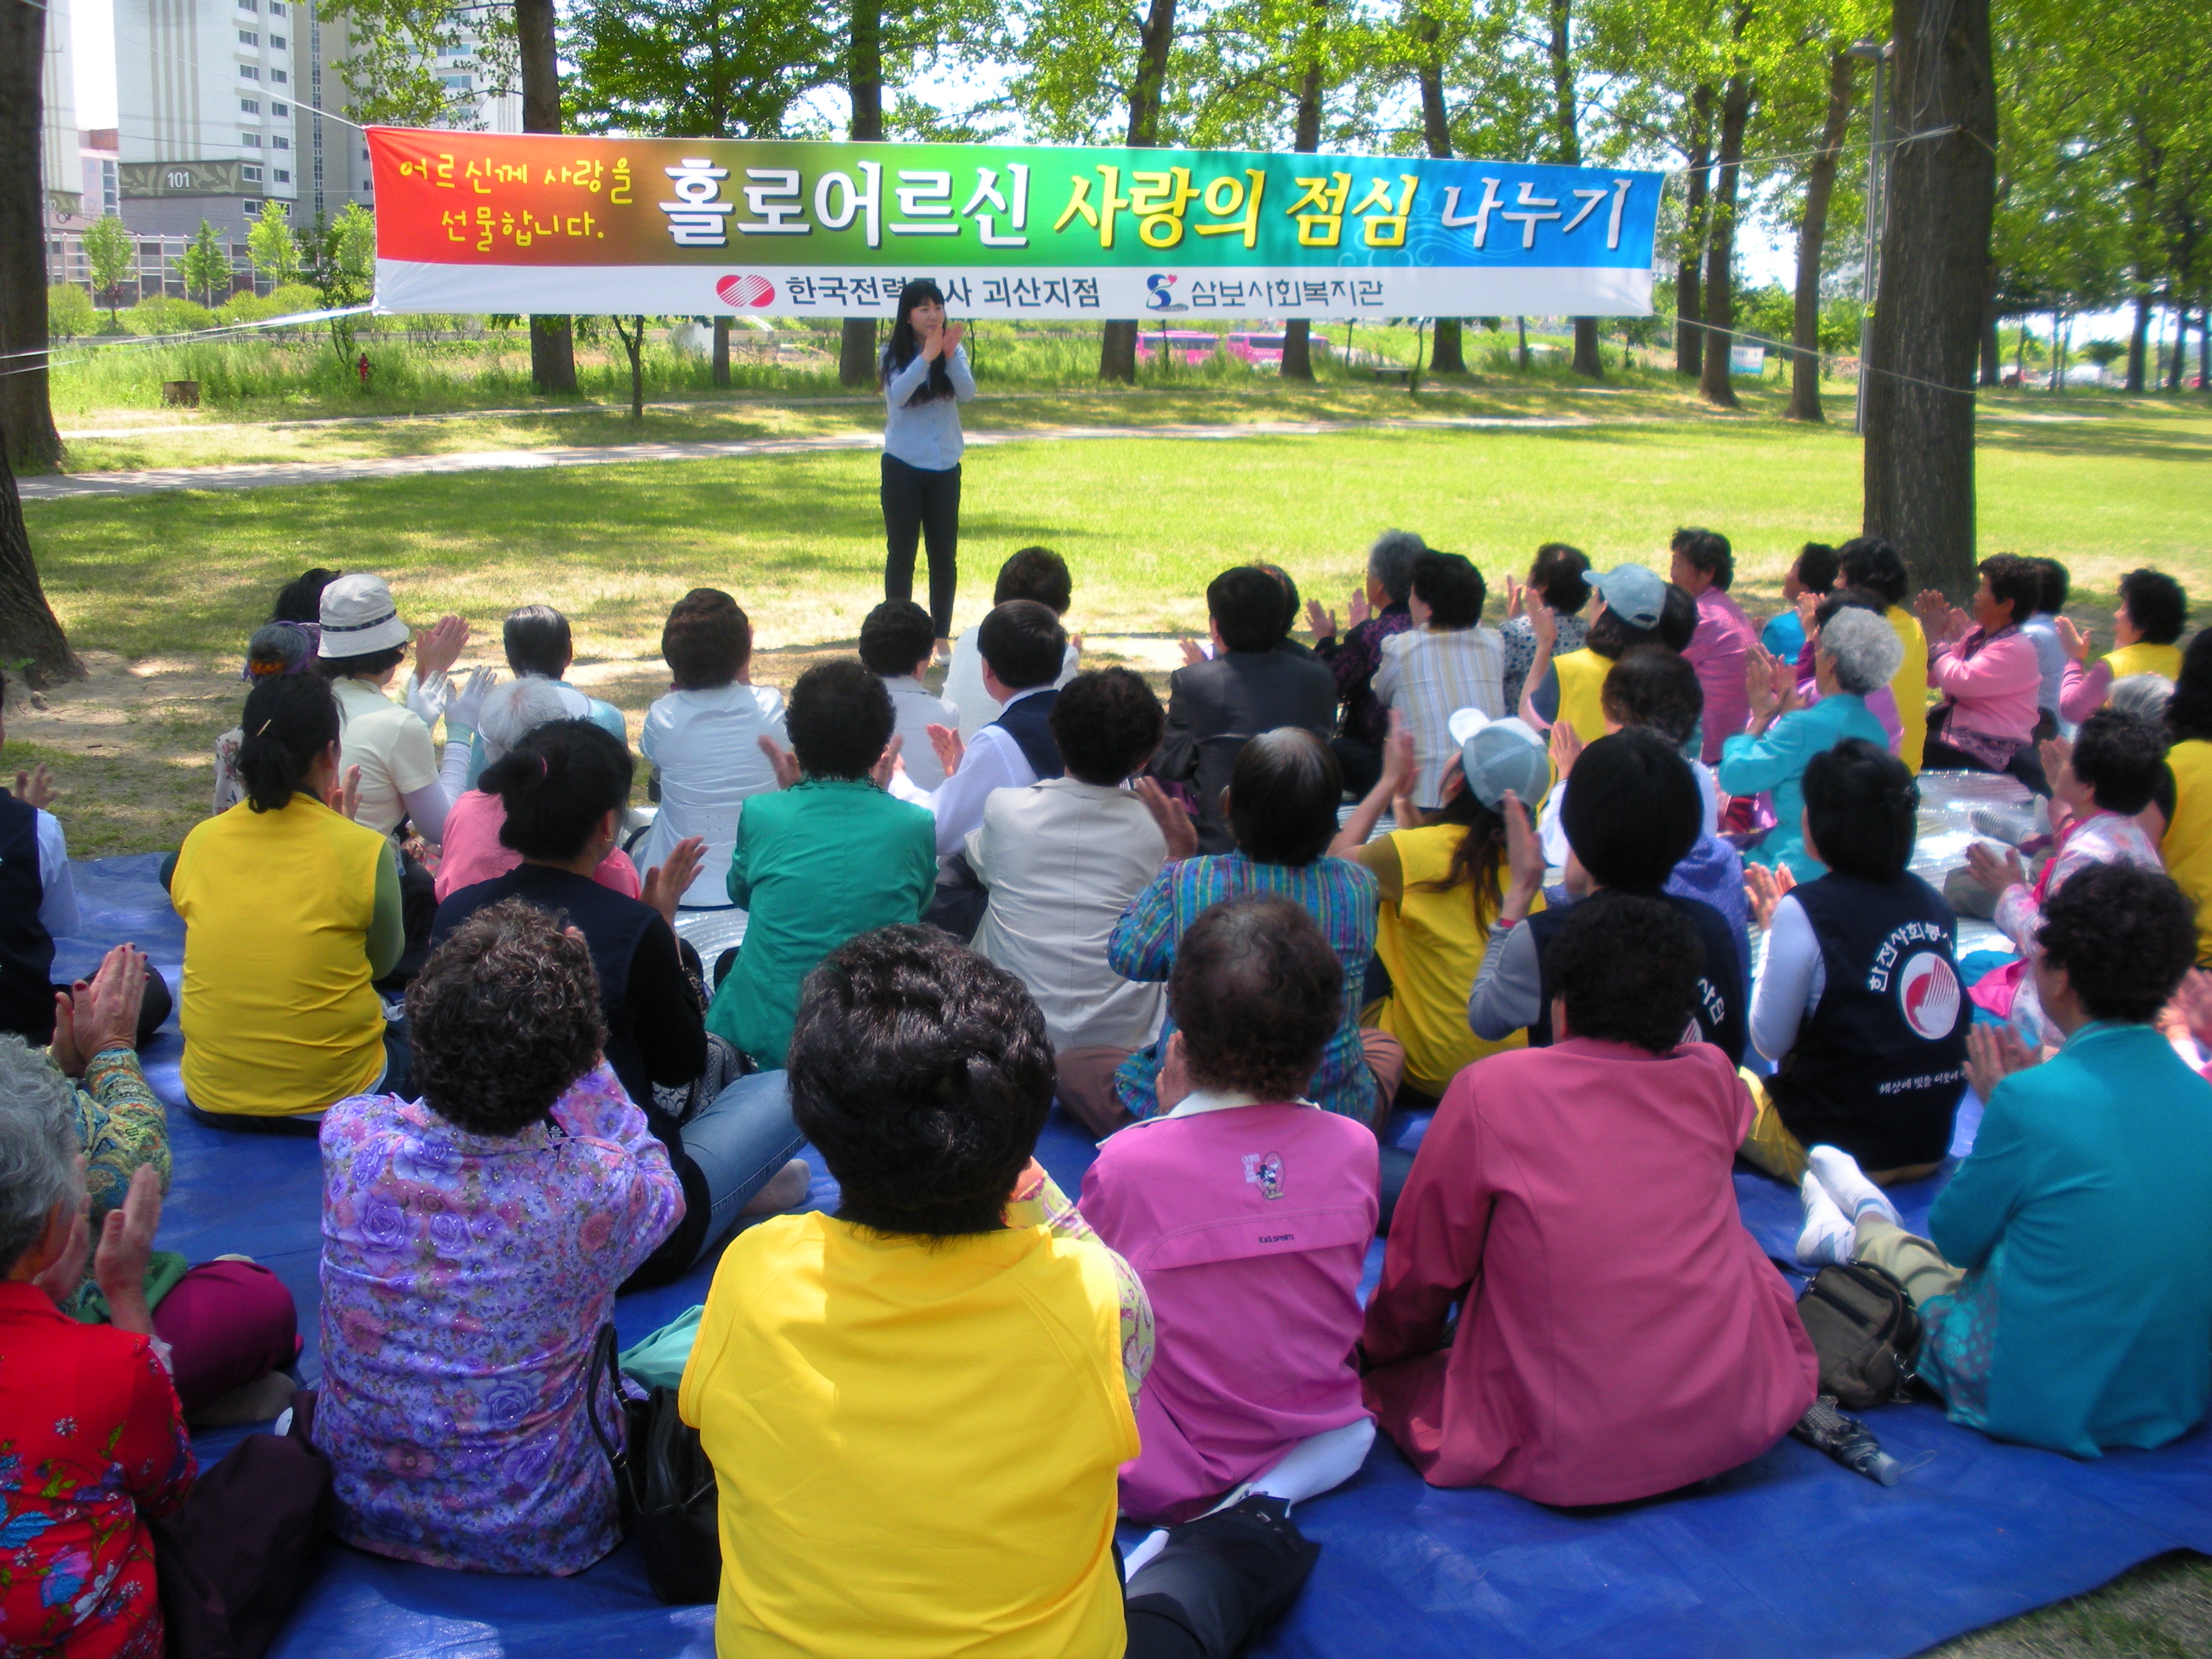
x=483 y=222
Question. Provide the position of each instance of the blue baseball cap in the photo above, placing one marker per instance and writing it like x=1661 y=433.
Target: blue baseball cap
x=1631 y=591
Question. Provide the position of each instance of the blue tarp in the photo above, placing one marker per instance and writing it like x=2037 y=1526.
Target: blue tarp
x=1788 y=1555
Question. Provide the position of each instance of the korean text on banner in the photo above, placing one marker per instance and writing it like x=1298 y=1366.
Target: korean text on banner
x=524 y=222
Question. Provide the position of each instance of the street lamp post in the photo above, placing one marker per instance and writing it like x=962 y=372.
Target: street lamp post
x=1876 y=52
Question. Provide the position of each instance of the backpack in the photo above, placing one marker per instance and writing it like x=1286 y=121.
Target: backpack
x=1866 y=1332
x=664 y=1484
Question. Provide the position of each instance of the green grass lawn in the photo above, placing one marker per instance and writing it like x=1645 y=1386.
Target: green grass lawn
x=167 y=587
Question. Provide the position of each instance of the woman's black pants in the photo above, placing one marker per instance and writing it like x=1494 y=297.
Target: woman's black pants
x=923 y=505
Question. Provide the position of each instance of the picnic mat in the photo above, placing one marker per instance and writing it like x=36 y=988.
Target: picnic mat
x=1788 y=1555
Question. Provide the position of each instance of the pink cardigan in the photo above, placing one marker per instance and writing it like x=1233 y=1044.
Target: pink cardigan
x=1723 y=640
x=1621 y=1333
x=1995 y=689
x=472 y=851
x=1249 y=1227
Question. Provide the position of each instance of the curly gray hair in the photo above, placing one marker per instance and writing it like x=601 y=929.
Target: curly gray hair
x=1865 y=648
x=2145 y=696
x=1390 y=563
x=38 y=1147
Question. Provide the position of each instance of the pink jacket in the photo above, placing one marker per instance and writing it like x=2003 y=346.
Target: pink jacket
x=1995 y=689
x=1717 y=650
x=472 y=852
x=2083 y=691
x=1249 y=1227
x=1621 y=1333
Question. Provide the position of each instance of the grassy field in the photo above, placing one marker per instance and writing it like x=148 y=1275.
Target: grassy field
x=160 y=591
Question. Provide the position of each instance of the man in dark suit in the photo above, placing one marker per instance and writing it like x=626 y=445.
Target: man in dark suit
x=1248 y=688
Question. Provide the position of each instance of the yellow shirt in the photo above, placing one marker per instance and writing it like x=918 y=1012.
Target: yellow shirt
x=2145 y=659
x=1432 y=945
x=279 y=1016
x=1909 y=685
x=2188 y=845
x=1582 y=687
x=916 y=1445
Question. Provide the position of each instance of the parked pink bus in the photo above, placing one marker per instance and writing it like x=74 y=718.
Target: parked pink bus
x=1260 y=350
x=1187 y=346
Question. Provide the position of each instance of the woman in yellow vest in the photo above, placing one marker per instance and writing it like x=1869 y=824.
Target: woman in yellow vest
x=2153 y=612
x=2187 y=848
x=1871 y=562
x=1635 y=607
x=290 y=910
x=1442 y=883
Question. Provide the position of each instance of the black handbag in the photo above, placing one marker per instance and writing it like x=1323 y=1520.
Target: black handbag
x=662 y=1483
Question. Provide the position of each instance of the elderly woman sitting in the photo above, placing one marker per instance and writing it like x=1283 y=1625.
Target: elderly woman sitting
x=94 y=1437
x=1855 y=652
x=472 y=1242
x=473 y=851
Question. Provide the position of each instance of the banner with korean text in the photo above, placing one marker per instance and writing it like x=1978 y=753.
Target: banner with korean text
x=506 y=222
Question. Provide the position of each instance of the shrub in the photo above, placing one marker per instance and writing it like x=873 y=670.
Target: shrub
x=165 y=314
x=70 y=311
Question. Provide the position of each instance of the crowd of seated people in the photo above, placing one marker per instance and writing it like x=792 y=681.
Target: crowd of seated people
x=1622 y=893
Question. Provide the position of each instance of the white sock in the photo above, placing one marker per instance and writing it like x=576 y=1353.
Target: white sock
x=1318 y=1464
x=1150 y=1546
x=1839 y=1172
x=1829 y=1236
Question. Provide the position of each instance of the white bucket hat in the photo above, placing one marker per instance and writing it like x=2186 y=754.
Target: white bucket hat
x=359 y=619
x=1501 y=755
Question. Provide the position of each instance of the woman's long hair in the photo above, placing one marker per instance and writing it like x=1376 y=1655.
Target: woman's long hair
x=905 y=343
x=2189 y=714
x=1479 y=856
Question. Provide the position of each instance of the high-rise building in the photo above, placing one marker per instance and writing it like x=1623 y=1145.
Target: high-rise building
x=226 y=104
x=59 y=171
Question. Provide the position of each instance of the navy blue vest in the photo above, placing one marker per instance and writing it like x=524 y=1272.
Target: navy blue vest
x=1028 y=723
x=1879 y=1067
x=26 y=949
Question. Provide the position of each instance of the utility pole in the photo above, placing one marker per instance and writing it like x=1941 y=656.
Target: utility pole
x=1877 y=210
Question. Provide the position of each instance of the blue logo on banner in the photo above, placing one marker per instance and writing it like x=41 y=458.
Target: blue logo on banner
x=1162 y=299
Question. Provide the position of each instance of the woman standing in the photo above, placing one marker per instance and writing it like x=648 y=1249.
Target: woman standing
x=924 y=378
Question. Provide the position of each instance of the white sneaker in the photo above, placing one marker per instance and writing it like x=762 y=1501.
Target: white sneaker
x=1829 y=1237
x=1847 y=1183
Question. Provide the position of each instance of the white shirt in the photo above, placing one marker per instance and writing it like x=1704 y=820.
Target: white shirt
x=1430 y=676
x=707 y=744
x=993 y=761
x=57 y=904
x=964 y=683
x=1062 y=860
x=917 y=711
x=1791 y=979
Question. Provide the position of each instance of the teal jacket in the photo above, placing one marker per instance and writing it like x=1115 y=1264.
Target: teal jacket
x=1774 y=763
x=2083 y=1219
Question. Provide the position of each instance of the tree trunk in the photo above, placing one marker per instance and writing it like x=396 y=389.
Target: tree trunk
x=1689 y=283
x=1117 y=343
x=2139 y=343
x=1521 y=332
x=2205 y=349
x=1297 y=336
x=2058 y=354
x=552 y=339
x=1720 y=246
x=29 y=633
x=1934 y=258
x=1447 y=355
x=864 y=82
x=633 y=339
x=27 y=416
x=721 y=351
x=2177 y=367
x=1812 y=237
x=1992 y=359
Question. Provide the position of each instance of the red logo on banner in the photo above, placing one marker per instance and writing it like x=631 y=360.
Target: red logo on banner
x=747 y=290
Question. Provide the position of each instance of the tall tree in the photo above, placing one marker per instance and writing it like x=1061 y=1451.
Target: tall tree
x=1148 y=94
x=110 y=252
x=27 y=416
x=552 y=339
x=1305 y=140
x=1448 y=354
x=1812 y=236
x=28 y=631
x=1689 y=263
x=864 y=85
x=1567 y=149
x=1934 y=256
x=1736 y=98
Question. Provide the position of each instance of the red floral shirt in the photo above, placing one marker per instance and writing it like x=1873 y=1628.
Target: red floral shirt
x=92 y=1440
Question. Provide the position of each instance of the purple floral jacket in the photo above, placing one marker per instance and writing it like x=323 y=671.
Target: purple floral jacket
x=465 y=1277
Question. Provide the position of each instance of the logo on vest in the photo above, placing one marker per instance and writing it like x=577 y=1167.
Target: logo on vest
x=1265 y=1172
x=1928 y=993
